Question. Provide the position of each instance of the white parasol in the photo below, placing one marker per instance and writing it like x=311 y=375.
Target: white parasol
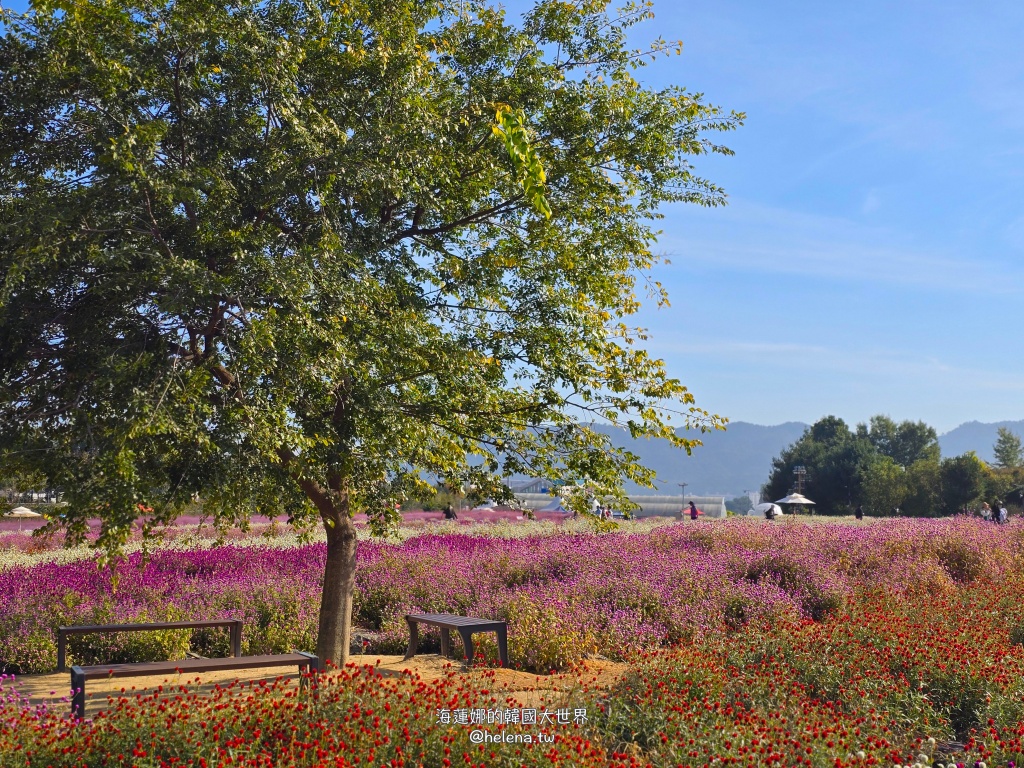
x=795 y=498
x=760 y=509
x=22 y=513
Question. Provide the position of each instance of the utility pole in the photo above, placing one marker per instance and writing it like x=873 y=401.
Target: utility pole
x=801 y=473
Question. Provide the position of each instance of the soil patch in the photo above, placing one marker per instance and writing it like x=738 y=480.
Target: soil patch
x=509 y=686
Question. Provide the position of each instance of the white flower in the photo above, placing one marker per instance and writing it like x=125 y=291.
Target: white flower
x=860 y=754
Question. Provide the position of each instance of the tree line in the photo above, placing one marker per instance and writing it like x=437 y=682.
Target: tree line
x=886 y=466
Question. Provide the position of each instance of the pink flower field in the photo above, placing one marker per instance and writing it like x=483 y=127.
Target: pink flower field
x=747 y=643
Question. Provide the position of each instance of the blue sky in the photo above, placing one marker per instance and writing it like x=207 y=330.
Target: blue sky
x=870 y=259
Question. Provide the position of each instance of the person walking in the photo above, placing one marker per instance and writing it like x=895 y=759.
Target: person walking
x=694 y=511
x=859 y=512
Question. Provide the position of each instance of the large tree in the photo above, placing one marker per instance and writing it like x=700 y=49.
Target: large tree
x=833 y=458
x=963 y=481
x=295 y=255
x=904 y=443
x=883 y=485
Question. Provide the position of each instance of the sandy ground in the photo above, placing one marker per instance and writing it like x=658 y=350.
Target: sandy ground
x=523 y=688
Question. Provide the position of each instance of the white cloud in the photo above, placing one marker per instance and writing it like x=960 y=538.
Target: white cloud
x=766 y=239
x=819 y=361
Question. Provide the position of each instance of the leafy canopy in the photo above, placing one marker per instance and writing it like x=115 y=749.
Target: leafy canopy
x=1008 y=449
x=882 y=465
x=292 y=255
x=832 y=456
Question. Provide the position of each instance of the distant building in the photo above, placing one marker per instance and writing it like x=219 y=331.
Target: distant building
x=669 y=506
x=650 y=505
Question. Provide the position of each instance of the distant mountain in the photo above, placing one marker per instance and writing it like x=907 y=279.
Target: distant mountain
x=727 y=464
x=741 y=457
x=977 y=437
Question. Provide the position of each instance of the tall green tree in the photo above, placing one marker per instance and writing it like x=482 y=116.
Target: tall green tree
x=1008 y=449
x=287 y=255
x=924 y=489
x=883 y=485
x=904 y=443
x=963 y=481
x=833 y=457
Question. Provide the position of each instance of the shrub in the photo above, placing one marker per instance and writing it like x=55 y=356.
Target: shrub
x=1017 y=633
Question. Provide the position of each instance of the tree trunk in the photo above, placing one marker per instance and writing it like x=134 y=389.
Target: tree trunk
x=335 y=631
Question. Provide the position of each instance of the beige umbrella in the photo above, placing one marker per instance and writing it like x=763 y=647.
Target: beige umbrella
x=795 y=498
x=22 y=513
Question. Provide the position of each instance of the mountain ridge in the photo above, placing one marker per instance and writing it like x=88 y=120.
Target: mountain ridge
x=739 y=459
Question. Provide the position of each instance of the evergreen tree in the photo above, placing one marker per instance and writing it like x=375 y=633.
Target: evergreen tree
x=1008 y=449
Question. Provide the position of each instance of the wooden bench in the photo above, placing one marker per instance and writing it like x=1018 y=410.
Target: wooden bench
x=464 y=625
x=305 y=662
x=235 y=626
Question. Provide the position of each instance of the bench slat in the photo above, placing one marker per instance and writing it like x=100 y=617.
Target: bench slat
x=234 y=625
x=453 y=621
x=79 y=675
x=190 y=665
x=83 y=629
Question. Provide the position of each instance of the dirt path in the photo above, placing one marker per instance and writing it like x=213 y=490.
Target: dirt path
x=523 y=688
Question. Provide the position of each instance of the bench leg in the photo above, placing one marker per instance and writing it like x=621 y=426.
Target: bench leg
x=446 y=643
x=312 y=666
x=77 y=694
x=236 y=639
x=62 y=650
x=502 y=633
x=467 y=643
x=413 y=638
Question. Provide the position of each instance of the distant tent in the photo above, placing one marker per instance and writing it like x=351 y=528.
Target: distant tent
x=760 y=509
x=555 y=506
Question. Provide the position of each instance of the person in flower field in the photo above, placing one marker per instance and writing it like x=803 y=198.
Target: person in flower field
x=694 y=511
x=1000 y=515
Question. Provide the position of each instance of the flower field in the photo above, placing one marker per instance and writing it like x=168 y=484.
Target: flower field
x=899 y=642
